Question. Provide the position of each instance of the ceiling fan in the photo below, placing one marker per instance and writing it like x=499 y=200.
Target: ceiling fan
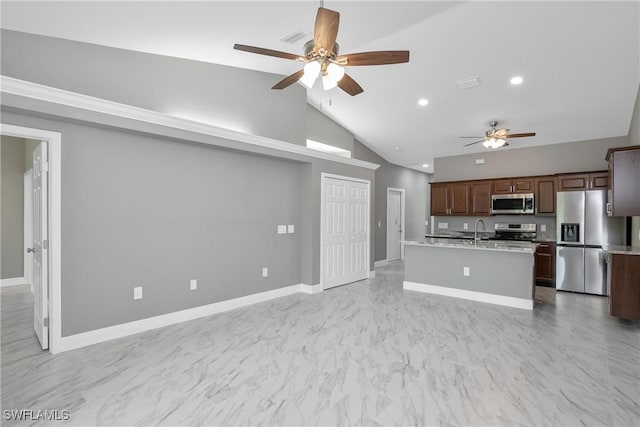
x=321 y=57
x=496 y=138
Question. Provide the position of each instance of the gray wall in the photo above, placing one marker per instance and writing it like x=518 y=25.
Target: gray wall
x=224 y=96
x=147 y=211
x=416 y=185
x=579 y=156
x=634 y=139
x=12 y=151
x=321 y=128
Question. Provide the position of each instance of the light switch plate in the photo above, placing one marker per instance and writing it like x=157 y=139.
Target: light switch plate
x=466 y=271
x=465 y=226
x=543 y=227
x=265 y=272
x=290 y=228
x=282 y=229
x=137 y=292
x=443 y=225
x=193 y=284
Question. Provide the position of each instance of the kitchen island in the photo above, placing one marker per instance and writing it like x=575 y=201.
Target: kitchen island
x=497 y=272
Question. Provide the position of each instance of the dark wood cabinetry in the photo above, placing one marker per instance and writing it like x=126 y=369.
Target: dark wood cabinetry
x=480 y=197
x=624 y=180
x=545 y=262
x=545 y=194
x=583 y=181
x=450 y=199
x=624 y=297
x=513 y=185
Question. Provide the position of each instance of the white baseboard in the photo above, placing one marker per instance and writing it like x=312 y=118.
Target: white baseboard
x=469 y=295
x=372 y=274
x=118 y=331
x=14 y=281
x=380 y=263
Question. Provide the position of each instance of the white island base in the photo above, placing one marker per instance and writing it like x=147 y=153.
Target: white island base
x=492 y=272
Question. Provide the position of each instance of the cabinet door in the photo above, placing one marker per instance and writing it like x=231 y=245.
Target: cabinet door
x=459 y=198
x=545 y=267
x=480 y=198
x=599 y=181
x=439 y=199
x=545 y=192
x=573 y=182
x=625 y=176
x=624 y=297
x=502 y=186
x=522 y=185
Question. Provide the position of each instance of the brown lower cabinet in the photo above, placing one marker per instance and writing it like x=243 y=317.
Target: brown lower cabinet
x=546 y=262
x=624 y=295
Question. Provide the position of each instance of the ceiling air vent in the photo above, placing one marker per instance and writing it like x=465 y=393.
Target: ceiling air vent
x=295 y=36
x=468 y=83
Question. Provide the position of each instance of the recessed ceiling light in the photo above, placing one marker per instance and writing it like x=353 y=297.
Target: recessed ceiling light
x=397 y=148
x=423 y=101
x=516 y=80
x=425 y=165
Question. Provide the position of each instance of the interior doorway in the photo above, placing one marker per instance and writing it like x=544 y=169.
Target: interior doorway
x=395 y=223
x=47 y=231
x=344 y=235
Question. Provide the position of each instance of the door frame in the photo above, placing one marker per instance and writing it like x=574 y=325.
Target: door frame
x=28 y=227
x=402 y=218
x=53 y=141
x=323 y=178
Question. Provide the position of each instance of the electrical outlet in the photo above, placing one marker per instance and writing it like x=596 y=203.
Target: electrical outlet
x=282 y=229
x=465 y=226
x=543 y=227
x=193 y=284
x=443 y=225
x=290 y=228
x=379 y=224
x=479 y=161
x=265 y=272
x=466 y=271
x=137 y=292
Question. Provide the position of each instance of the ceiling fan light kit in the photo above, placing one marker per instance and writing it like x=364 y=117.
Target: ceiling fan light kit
x=321 y=57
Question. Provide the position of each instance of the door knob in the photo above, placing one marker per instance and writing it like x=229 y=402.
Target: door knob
x=30 y=250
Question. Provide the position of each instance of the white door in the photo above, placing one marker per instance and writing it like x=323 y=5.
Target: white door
x=345 y=231
x=394 y=225
x=40 y=246
x=358 y=229
x=28 y=228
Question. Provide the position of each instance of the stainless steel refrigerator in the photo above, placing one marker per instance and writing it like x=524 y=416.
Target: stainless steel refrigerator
x=582 y=227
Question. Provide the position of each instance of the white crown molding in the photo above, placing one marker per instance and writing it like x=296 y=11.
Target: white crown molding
x=34 y=91
x=522 y=303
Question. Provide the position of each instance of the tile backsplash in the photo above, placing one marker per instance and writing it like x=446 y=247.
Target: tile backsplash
x=441 y=224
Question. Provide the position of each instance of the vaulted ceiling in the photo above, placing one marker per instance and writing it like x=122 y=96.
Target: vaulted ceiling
x=580 y=61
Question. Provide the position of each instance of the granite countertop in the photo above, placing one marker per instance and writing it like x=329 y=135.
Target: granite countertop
x=621 y=250
x=486 y=245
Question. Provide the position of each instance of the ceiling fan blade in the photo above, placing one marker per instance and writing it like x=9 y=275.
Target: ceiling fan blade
x=519 y=135
x=326 y=31
x=349 y=85
x=499 y=133
x=268 y=52
x=382 y=57
x=471 y=143
x=289 y=80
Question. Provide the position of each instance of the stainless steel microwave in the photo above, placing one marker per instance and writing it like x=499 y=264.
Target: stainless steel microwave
x=511 y=204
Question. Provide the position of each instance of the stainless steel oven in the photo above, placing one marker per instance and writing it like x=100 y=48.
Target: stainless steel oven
x=522 y=204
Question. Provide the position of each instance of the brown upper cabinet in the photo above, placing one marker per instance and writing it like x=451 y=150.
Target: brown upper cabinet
x=624 y=181
x=450 y=198
x=583 y=181
x=480 y=197
x=545 y=195
x=513 y=185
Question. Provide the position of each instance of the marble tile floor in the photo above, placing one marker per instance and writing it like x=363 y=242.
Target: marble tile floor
x=368 y=353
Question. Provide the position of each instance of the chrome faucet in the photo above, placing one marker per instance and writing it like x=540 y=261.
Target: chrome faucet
x=475 y=229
